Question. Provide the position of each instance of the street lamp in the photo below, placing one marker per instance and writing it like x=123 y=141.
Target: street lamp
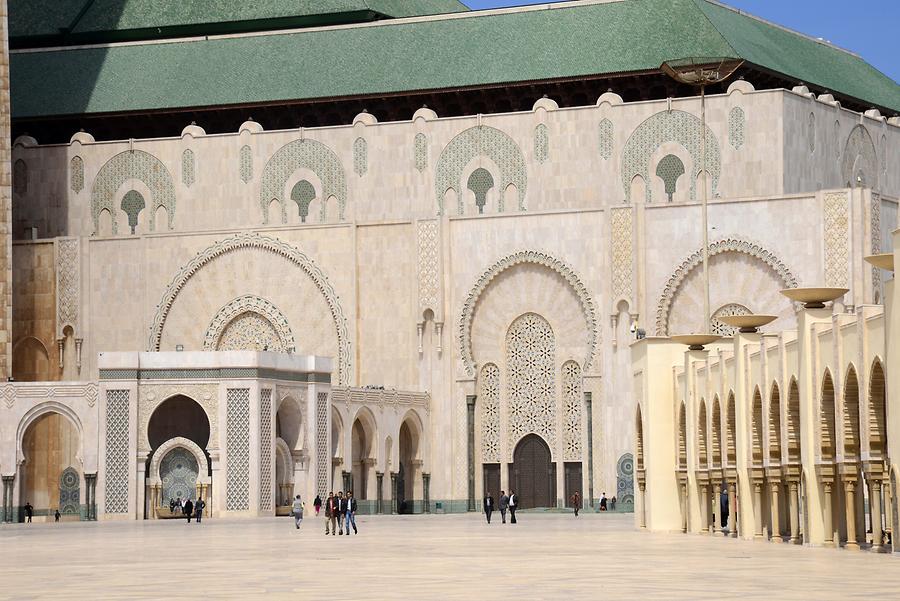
x=701 y=72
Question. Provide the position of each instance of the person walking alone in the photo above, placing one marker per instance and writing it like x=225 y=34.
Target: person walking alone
x=297 y=511
x=350 y=518
x=199 y=506
x=603 y=502
x=504 y=505
x=488 y=504
x=317 y=504
x=576 y=502
x=56 y=516
x=331 y=511
x=513 y=505
x=188 y=510
x=341 y=511
x=29 y=511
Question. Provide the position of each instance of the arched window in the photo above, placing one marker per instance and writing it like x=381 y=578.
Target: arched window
x=480 y=182
x=669 y=169
x=303 y=194
x=133 y=203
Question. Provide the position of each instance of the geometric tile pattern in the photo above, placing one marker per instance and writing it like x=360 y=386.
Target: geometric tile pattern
x=427 y=246
x=179 y=471
x=187 y=167
x=719 y=327
x=117 y=455
x=266 y=448
x=76 y=174
x=246 y=164
x=669 y=169
x=625 y=482
x=622 y=254
x=572 y=411
x=237 y=447
x=489 y=405
x=475 y=142
x=360 y=156
x=736 y=121
x=530 y=357
x=541 y=143
x=837 y=240
x=300 y=154
x=323 y=464
x=606 y=139
x=139 y=165
x=669 y=126
x=249 y=323
x=67 y=284
x=421 y=151
x=250 y=331
x=69 y=485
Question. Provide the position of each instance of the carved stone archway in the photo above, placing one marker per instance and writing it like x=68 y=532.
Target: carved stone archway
x=538 y=258
x=134 y=165
x=250 y=304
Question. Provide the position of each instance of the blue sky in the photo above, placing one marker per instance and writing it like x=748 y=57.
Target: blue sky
x=867 y=27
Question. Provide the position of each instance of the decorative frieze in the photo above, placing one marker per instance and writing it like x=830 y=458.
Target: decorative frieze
x=531 y=388
x=68 y=283
x=428 y=257
x=266 y=449
x=360 y=156
x=489 y=410
x=837 y=239
x=249 y=323
x=541 y=143
x=76 y=174
x=622 y=255
x=132 y=164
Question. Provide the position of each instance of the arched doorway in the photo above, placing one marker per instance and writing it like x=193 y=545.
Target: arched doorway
x=408 y=473
x=51 y=473
x=534 y=473
x=178 y=416
x=362 y=451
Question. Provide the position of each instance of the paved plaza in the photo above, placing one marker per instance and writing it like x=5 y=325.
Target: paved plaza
x=545 y=556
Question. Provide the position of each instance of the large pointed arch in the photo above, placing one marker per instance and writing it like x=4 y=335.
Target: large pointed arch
x=293 y=254
x=877 y=411
x=775 y=425
x=588 y=305
x=850 y=414
x=859 y=160
x=827 y=431
x=137 y=165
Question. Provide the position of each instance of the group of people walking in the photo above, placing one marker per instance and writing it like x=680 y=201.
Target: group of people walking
x=507 y=503
x=340 y=512
x=188 y=508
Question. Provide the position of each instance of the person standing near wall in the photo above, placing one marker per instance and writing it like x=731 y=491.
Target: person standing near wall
x=488 y=504
x=188 y=510
x=29 y=512
x=341 y=511
x=576 y=502
x=199 y=506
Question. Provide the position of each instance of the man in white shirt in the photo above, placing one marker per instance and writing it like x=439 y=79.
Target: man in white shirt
x=513 y=505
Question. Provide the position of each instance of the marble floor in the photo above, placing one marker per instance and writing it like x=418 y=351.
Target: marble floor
x=544 y=556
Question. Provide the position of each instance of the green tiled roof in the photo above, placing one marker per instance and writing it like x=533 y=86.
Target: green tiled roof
x=568 y=40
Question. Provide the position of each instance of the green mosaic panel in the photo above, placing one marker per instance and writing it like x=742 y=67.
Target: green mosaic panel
x=736 y=121
x=187 y=167
x=133 y=203
x=480 y=181
x=605 y=130
x=541 y=143
x=420 y=151
x=303 y=193
x=669 y=169
x=474 y=142
x=139 y=165
x=246 y=164
x=669 y=126
x=303 y=154
x=360 y=156
x=76 y=174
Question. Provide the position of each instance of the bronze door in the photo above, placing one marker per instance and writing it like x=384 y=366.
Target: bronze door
x=533 y=473
x=492 y=481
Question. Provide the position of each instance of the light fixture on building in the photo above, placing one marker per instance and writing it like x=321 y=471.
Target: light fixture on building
x=179 y=347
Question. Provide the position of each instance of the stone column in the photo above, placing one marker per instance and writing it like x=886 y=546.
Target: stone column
x=704 y=508
x=684 y=506
x=776 y=521
x=875 y=513
x=850 y=506
x=379 y=483
x=795 y=512
x=829 y=523
x=713 y=505
x=393 y=492
x=426 y=492
x=757 y=509
x=589 y=414
x=732 y=509
x=5 y=499
x=470 y=429
x=642 y=487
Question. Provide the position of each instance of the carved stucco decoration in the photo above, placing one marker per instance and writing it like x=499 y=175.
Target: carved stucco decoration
x=859 y=159
x=253 y=240
x=837 y=239
x=33 y=390
x=250 y=303
x=525 y=256
x=720 y=246
x=480 y=140
x=302 y=154
x=622 y=256
x=427 y=243
x=153 y=395
x=139 y=165
x=875 y=234
x=68 y=278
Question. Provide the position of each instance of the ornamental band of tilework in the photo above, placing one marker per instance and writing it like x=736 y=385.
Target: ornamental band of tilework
x=245 y=164
x=360 y=156
x=76 y=174
x=69 y=492
x=117 y=457
x=252 y=240
x=68 y=281
x=237 y=446
x=668 y=126
x=541 y=143
x=470 y=144
x=302 y=154
x=837 y=239
x=266 y=449
x=622 y=256
x=132 y=164
x=187 y=167
x=572 y=410
x=249 y=323
x=588 y=307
